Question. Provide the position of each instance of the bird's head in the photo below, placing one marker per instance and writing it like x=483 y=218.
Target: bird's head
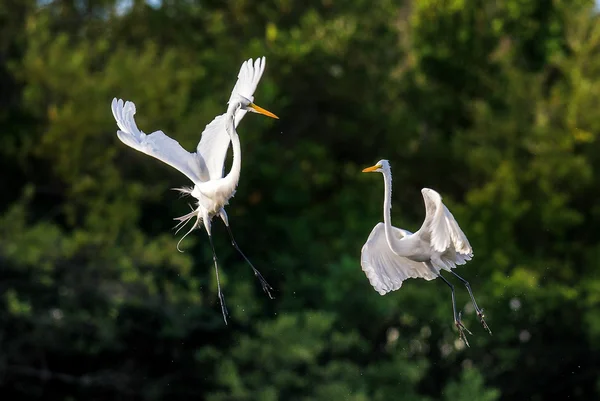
x=381 y=166
x=247 y=104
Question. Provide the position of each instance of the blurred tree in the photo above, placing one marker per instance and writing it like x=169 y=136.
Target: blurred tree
x=491 y=104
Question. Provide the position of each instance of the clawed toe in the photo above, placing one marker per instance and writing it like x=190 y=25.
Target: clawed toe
x=461 y=333
x=480 y=315
x=265 y=286
x=461 y=330
x=224 y=310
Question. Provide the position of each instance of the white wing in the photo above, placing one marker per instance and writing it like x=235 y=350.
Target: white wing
x=385 y=270
x=248 y=79
x=215 y=139
x=445 y=234
x=213 y=147
x=157 y=144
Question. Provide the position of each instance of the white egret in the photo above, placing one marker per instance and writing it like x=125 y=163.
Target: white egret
x=205 y=166
x=392 y=255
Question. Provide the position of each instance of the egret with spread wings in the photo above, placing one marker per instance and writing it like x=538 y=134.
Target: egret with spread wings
x=392 y=255
x=205 y=166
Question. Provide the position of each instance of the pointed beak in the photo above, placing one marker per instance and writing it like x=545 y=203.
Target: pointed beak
x=371 y=169
x=260 y=110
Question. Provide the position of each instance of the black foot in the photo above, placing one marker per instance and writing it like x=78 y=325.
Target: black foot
x=265 y=286
x=483 y=323
x=223 y=307
x=461 y=329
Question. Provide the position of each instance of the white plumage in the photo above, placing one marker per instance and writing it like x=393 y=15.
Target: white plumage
x=392 y=255
x=205 y=166
x=385 y=269
x=157 y=144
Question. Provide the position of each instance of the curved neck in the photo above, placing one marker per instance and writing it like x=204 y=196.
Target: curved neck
x=387 y=218
x=233 y=176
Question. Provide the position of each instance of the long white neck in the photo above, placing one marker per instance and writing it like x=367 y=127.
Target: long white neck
x=393 y=242
x=232 y=178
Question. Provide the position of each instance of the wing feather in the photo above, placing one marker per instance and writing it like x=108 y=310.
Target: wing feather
x=157 y=144
x=458 y=237
x=213 y=147
x=248 y=79
x=385 y=270
x=215 y=140
x=446 y=236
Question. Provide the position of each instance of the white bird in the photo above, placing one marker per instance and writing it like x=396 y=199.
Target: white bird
x=392 y=255
x=205 y=166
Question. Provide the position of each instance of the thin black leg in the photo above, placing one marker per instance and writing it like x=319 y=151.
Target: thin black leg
x=477 y=309
x=221 y=297
x=265 y=286
x=457 y=316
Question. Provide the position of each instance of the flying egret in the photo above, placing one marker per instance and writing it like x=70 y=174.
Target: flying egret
x=392 y=255
x=205 y=167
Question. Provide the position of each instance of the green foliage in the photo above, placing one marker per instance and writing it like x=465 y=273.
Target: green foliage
x=494 y=105
x=470 y=387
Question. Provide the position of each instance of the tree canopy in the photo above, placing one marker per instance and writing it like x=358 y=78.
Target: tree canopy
x=493 y=104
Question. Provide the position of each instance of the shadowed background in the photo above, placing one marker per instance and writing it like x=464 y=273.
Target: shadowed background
x=493 y=104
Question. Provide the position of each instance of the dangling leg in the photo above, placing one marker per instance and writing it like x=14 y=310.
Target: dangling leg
x=265 y=286
x=221 y=297
x=477 y=309
x=457 y=316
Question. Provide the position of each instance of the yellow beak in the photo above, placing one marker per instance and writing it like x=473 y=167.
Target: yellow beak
x=262 y=111
x=371 y=169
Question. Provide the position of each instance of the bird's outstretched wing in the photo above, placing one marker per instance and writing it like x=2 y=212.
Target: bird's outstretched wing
x=157 y=144
x=385 y=270
x=248 y=79
x=213 y=147
x=445 y=233
x=215 y=140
